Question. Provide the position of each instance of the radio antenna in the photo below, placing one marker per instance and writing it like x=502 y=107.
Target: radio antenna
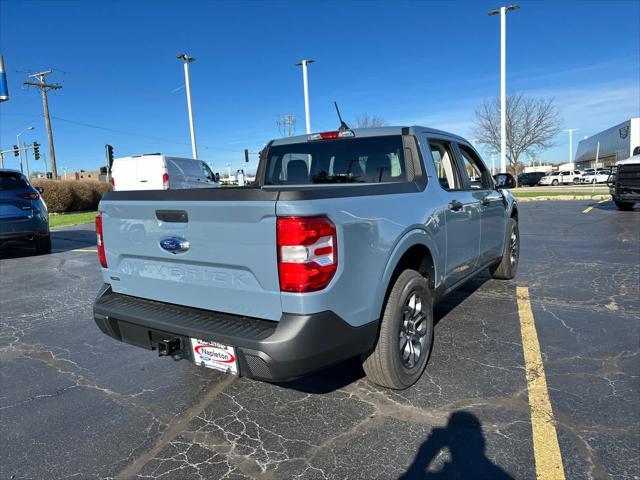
x=343 y=126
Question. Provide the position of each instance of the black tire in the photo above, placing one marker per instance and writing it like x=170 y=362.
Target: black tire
x=554 y=183
x=507 y=267
x=386 y=364
x=576 y=181
x=626 y=206
x=43 y=245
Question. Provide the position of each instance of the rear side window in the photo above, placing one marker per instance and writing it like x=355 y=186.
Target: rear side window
x=12 y=181
x=350 y=160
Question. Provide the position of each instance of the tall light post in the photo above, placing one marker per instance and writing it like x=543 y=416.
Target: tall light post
x=18 y=144
x=571 y=130
x=303 y=64
x=503 y=82
x=187 y=79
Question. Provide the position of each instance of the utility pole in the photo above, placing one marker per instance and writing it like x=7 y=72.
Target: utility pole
x=305 y=79
x=286 y=124
x=187 y=79
x=571 y=130
x=44 y=87
x=503 y=82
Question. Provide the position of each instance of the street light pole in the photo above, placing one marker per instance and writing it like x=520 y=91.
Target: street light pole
x=503 y=82
x=305 y=79
x=187 y=79
x=571 y=130
x=18 y=144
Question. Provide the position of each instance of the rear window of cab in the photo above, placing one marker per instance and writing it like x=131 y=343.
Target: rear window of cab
x=346 y=160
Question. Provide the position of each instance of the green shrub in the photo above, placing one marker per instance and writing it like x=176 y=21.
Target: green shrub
x=72 y=195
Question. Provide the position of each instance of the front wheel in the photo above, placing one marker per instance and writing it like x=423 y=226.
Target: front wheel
x=554 y=183
x=507 y=267
x=406 y=334
x=626 y=206
x=576 y=181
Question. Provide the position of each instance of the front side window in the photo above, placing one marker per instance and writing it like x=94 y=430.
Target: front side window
x=348 y=160
x=474 y=169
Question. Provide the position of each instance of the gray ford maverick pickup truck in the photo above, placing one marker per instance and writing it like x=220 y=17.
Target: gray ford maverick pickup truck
x=340 y=249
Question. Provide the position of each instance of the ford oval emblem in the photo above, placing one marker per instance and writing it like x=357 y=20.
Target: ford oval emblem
x=174 y=245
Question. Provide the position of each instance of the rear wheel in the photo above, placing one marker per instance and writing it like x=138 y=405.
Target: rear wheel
x=43 y=244
x=576 y=181
x=626 y=206
x=406 y=334
x=507 y=267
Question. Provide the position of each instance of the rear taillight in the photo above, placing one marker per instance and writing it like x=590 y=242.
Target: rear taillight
x=100 y=241
x=113 y=183
x=307 y=253
x=29 y=196
x=165 y=181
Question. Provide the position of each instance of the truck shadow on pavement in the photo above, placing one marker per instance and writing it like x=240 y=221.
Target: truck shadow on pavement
x=61 y=241
x=466 y=445
x=349 y=371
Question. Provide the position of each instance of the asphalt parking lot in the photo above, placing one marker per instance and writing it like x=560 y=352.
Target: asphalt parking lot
x=77 y=404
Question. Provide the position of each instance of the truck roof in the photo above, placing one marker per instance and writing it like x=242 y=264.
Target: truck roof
x=376 y=132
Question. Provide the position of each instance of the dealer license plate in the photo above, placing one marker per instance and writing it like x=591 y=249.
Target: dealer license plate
x=214 y=355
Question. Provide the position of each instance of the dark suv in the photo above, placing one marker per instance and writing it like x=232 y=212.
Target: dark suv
x=530 y=179
x=23 y=213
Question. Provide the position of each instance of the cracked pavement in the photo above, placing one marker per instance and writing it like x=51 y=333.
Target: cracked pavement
x=76 y=404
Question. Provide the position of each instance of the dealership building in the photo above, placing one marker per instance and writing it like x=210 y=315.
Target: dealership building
x=607 y=147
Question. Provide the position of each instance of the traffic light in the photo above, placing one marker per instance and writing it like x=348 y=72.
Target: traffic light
x=246 y=155
x=109 y=153
x=36 y=150
x=16 y=151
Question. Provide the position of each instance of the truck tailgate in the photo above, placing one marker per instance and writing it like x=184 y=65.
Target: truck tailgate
x=230 y=265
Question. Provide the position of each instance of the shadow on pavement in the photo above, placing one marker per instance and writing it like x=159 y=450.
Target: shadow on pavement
x=61 y=241
x=464 y=440
x=344 y=373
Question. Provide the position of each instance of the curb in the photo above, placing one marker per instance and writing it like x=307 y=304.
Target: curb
x=563 y=197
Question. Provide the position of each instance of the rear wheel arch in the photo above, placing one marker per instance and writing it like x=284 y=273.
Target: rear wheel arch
x=416 y=256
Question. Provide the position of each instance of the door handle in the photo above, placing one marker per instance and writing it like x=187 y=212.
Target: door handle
x=455 y=205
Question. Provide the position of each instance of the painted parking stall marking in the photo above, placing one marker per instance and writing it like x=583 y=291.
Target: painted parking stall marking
x=546 y=449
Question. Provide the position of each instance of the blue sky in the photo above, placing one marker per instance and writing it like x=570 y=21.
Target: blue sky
x=428 y=63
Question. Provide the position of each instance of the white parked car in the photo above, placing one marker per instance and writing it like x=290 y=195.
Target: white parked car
x=159 y=172
x=601 y=175
x=561 y=178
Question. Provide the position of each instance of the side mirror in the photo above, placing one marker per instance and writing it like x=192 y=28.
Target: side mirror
x=216 y=177
x=504 y=180
x=40 y=189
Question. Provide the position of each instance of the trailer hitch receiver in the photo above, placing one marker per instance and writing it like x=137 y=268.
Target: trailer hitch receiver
x=168 y=347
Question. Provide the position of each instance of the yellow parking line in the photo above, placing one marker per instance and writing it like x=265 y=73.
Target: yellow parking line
x=84 y=250
x=546 y=449
x=604 y=201
x=587 y=210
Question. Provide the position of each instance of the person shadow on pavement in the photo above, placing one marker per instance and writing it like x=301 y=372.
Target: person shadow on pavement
x=466 y=444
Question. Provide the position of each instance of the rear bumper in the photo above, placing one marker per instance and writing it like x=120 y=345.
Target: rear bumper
x=266 y=350
x=22 y=228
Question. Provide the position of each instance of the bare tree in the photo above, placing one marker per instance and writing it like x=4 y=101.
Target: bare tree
x=531 y=125
x=367 y=121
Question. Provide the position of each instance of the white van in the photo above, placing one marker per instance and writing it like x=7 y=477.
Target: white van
x=159 y=172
